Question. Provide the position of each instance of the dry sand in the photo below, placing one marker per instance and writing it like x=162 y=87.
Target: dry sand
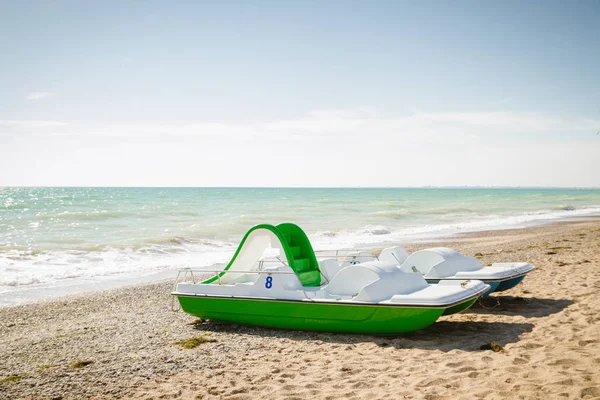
x=549 y=327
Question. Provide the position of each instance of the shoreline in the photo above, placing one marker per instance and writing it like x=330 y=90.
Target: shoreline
x=548 y=328
x=32 y=294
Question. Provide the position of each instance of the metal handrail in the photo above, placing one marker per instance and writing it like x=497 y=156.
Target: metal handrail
x=218 y=272
x=261 y=265
x=342 y=253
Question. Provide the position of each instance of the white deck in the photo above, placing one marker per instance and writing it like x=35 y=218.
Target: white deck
x=445 y=263
x=374 y=282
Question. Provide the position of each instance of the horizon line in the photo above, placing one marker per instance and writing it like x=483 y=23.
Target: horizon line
x=299 y=187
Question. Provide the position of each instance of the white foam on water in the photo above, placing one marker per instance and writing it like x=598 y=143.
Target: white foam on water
x=49 y=272
x=27 y=275
x=377 y=234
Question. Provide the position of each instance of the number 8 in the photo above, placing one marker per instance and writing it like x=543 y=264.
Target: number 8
x=269 y=283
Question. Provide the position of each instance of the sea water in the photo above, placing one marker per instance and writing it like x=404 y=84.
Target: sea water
x=61 y=240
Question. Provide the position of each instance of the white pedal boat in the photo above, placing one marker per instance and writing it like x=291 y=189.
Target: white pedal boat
x=442 y=263
x=290 y=290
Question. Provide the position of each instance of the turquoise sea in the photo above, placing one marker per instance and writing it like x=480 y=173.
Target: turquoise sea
x=86 y=238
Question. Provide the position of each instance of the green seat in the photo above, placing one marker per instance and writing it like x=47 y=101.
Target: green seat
x=295 y=251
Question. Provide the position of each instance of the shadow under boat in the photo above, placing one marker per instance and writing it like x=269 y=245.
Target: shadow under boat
x=442 y=335
x=530 y=307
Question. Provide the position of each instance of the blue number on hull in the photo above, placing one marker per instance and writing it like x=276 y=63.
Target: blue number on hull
x=269 y=283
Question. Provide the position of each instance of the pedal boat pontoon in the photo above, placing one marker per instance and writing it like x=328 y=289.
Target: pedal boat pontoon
x=290 y=292
x=442 y=263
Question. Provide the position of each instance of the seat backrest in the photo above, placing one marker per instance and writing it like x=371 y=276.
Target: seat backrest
x=329 y=268
x=439 y=262
x=351 y=280
x=421 y=261
x=397 y=282
x=394 y=255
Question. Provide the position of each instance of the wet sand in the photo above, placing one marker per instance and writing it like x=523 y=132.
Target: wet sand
x=121 y=343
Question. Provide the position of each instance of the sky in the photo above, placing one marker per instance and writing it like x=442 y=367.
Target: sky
x=300 y=93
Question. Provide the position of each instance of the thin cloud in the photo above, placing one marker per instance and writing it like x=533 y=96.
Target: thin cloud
x=359 y=124
x=30 y=125
x=348 y=147
x=38 y=95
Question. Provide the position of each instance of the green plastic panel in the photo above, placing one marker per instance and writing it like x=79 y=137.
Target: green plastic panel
x=460 y=307
x=298 y=252
x=307 y=261
x=312 y=316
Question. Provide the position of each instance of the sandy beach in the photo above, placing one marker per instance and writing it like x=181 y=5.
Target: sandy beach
x=121 y=343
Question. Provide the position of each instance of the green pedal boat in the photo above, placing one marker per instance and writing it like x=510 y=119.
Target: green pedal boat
x=274 y=280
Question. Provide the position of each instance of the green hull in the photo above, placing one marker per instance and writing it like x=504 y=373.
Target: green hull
x=312 y=316
x=460 y=307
